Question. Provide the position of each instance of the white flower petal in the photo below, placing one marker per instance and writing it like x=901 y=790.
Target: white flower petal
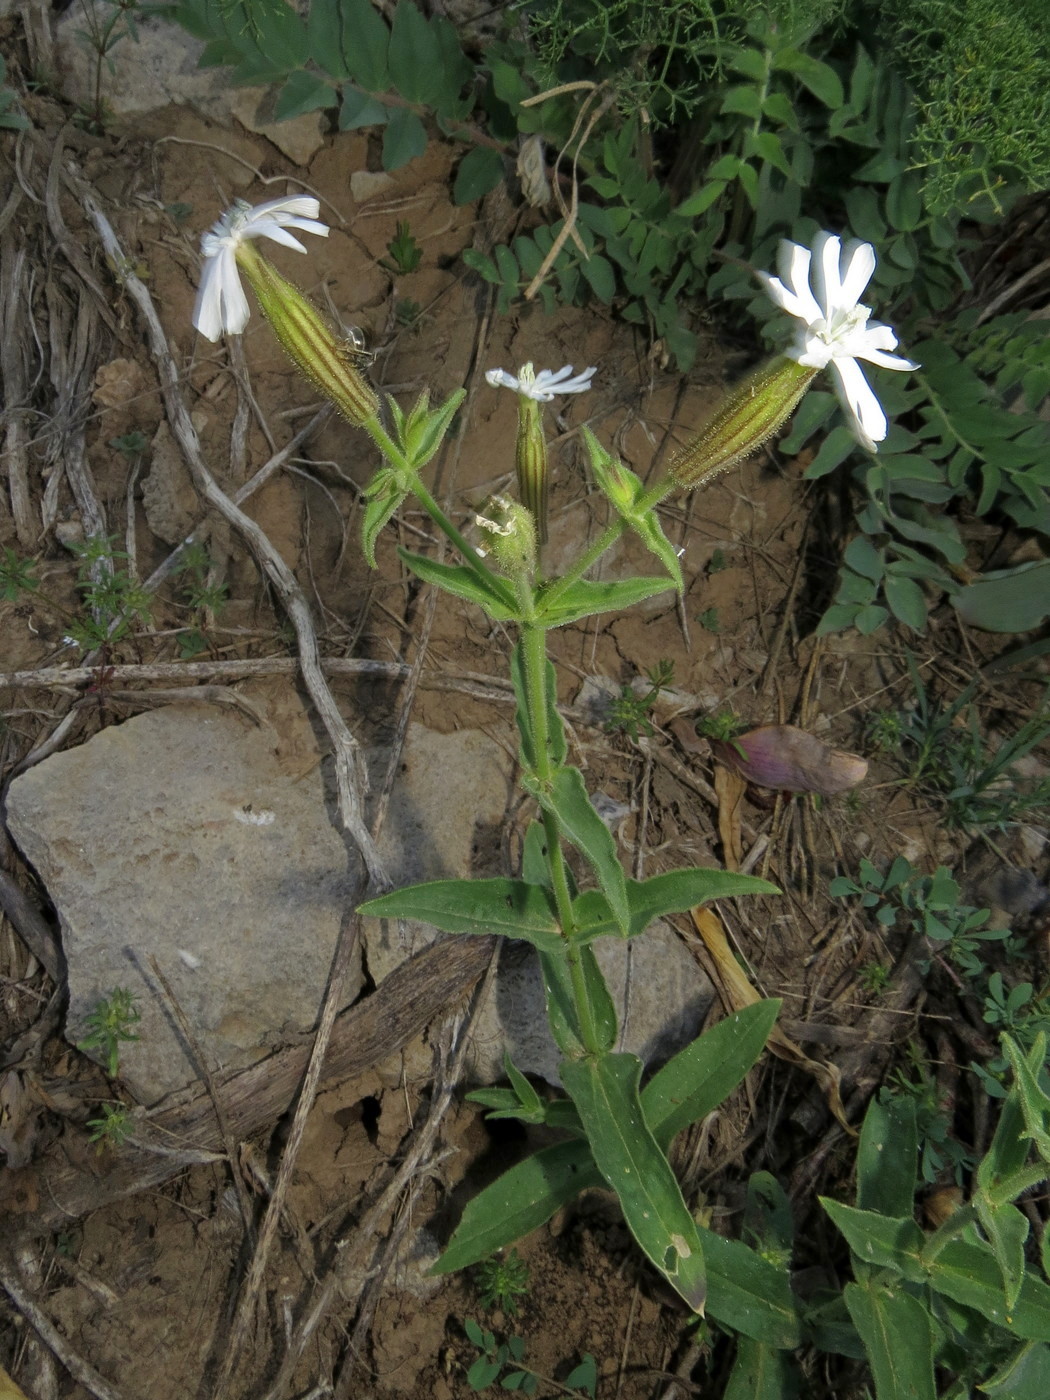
x=221 y=305
x=795 y=264
x=884 y=361
x=294 y=206
x=821 y=288
x=544 y=386
x=500 y=379
x=860 y=265
x=827 y=284
x=858 y=398
x=277 y=234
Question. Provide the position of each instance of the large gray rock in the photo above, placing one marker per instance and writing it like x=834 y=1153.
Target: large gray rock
x=158 y=67
x=443 y=821
x=181 y=834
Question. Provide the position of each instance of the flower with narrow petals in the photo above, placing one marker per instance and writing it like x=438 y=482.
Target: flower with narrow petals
x=822 y=288
x=530 y=458
x=543 y=386
x=221 y=304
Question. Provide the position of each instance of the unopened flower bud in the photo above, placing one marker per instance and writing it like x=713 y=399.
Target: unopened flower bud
x=325 y=358
x=749 y=417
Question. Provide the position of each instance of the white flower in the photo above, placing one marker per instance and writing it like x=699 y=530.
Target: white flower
x=221 y=304
x=822 y=289
x=543 y=386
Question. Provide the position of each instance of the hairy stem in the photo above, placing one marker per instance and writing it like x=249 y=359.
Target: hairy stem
x=534 y=662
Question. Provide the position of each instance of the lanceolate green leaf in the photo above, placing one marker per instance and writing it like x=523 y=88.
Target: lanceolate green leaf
x=557 y=746
x=561 y=1010
x=885 y=1241
x=567 y=798
x=701 y=1076
x=520 y=1201
x=585 y=598
x=760 y=1372
x=748 y=1294
x=886 y=1158
x=969 y=1274
x=745 y=1292
x=605 y=1091
x=1026 y=1376
x=672 y=893
x=382 y=499
x=462 y=581
x=1006 y=1230
x=507 y=907
x=896 y=1330
x=558 y=990
x=1034 y=1103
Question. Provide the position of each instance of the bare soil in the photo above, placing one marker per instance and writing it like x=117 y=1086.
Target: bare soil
x=142 y=1289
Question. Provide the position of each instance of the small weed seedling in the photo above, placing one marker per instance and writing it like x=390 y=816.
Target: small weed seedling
x=205 y=597
x=107 y=25
x=932 y=904
x=110 y=1024
x=405 y=252
x=495 y=1356
x=875 y=977
x=629 y=713
x=502 y=1282
x=939 y=1150
x=950 y=757
x=1019 y=1012
x=113 y=600
x=113 y=1127
x=16 y=576
x=407 y=313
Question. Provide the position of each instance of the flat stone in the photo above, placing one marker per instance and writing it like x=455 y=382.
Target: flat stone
x=192 y=835
x=138 y=76
x=160 y=67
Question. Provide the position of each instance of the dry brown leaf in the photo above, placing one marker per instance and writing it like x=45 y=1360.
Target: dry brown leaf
x=19 y=1120
x=730 y=788
x=8 y=1389
x=737 y=992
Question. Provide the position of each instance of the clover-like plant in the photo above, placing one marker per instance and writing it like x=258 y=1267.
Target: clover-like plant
x=619 y=1133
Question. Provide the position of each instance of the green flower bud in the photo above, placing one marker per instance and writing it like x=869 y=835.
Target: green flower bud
x=530 y=461
x=749 y=417
x=508 y=534
x=326 y=359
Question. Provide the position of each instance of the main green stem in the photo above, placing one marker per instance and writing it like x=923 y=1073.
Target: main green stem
x=534 y=664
